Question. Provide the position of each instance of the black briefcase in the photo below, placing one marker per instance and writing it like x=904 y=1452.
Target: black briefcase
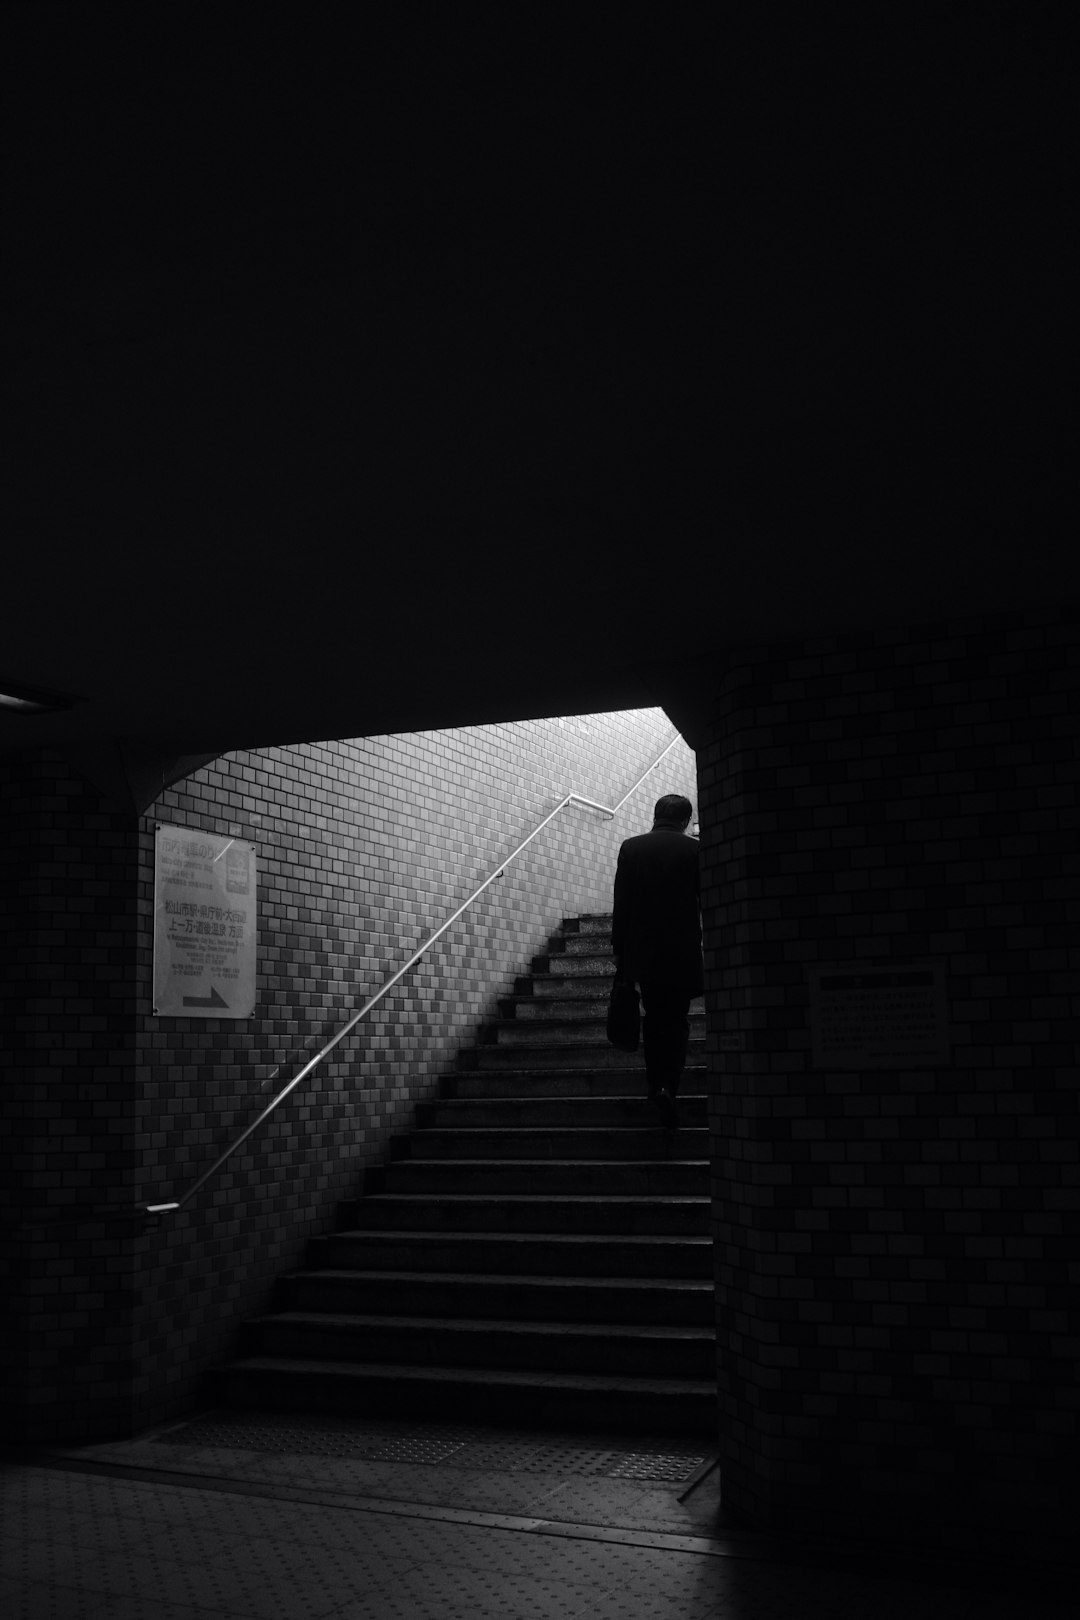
x=624 y=1016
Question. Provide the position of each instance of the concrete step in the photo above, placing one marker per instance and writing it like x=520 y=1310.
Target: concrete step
x=547 y=986
x=598 y=946
x=503 y=1297
x=506 y=1252
x=542 y=1400
x=584 y=1030
x=555 y=985
x=612 y=1217
x=573 y=1006
x=565 y=1009
x=553 y=1113
x=531 y=1051
x=533 y=1084
x=554 y=1032
x=591 y=923
x=554 y=982
x=640 y=1178
x=416 y=1341
x=610 y=1142
x=579 y=966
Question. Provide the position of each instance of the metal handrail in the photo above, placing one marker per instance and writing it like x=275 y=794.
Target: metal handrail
x=571 y=798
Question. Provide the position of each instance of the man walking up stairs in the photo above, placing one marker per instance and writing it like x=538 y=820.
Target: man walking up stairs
x=656 y=938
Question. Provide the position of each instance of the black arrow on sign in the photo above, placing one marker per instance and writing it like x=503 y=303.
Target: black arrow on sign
x=212 y=1000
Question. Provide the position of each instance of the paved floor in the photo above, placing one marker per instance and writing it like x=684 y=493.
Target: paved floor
x=170 y=1527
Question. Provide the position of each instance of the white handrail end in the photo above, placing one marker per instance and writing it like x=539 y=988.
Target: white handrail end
x=579 y=798
x=160 y=1209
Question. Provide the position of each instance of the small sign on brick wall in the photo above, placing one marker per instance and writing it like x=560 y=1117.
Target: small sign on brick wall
x=887 y=1016
x=205 y=925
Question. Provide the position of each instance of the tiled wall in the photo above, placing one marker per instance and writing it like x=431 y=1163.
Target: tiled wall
x=897 y=1249
x=364 y=847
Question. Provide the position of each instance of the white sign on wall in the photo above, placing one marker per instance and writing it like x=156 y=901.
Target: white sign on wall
x=204 y=925
x=879 y=1017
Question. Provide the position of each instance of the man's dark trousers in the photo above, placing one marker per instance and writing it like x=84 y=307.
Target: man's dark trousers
x=665 y=1033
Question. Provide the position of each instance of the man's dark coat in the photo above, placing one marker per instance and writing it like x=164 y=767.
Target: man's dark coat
x=656 y=931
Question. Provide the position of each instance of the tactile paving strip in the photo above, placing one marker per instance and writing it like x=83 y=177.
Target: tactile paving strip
x=646 y=1458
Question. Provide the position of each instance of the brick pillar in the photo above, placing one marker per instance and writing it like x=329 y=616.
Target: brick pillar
x=67 y=1103
x=894 y=1243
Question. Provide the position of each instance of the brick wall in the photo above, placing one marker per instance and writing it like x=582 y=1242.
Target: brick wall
x=66 y=1101
x=364 y=848
x=896 y=1249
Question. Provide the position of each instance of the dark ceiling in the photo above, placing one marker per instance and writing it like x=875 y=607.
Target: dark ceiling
x=369 y=377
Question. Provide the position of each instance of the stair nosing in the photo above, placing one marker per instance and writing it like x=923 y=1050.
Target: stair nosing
x=576 y=978
x=636 y=1199
x=498 y=1279
x=430 y=1131
x=483 y=1324
x=561 y=1100
x=512 y=1236
x=601 y=1017
x=599 y=1068
x=509 y=1072
x=664 y=1164
x=367 y=1370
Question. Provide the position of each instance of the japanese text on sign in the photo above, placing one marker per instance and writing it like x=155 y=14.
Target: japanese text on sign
x=887 y=1017
x=205 y=925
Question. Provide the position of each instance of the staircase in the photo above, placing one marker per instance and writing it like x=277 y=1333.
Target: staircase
x=537 y=1251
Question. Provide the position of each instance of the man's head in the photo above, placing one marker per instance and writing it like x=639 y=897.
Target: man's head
x=672 y=811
